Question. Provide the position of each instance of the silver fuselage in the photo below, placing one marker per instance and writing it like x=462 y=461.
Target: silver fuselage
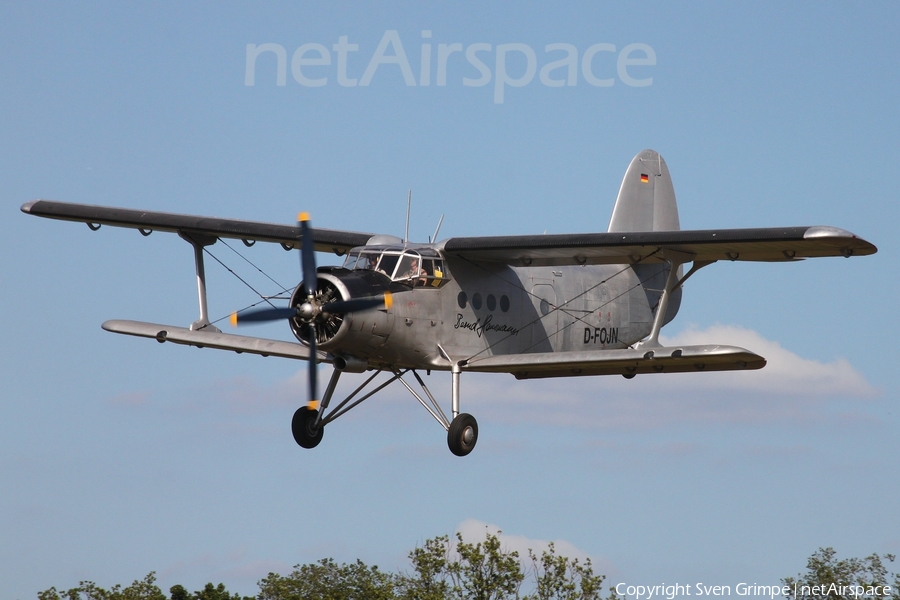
x=483 y=309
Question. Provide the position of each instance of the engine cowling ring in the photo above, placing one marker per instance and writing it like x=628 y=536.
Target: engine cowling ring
x=330 y=328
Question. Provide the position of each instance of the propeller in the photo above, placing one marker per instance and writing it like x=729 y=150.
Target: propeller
x=310 y=311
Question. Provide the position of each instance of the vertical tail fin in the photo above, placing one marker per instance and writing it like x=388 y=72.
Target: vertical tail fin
x=646 y=200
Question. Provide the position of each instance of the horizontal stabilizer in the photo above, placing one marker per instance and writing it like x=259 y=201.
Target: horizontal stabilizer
x=212 y=339
x=628 y=361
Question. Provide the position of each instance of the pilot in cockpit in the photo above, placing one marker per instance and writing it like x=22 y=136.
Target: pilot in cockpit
x=415 y=274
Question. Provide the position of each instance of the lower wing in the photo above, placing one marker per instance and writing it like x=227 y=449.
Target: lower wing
x=627 y=362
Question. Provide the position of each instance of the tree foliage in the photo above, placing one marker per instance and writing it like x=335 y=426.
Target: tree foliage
x=326 y=580
x=827 y=578
x=144 y=589
x=484 y=571
x=458 y=570
x=561 y=578
x=441 y=570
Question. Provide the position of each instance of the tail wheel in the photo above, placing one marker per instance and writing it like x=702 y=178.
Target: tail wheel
x=303 y=426
x=463 y=434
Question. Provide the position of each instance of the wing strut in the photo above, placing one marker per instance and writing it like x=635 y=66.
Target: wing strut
x=675 y=260
x=199 y=241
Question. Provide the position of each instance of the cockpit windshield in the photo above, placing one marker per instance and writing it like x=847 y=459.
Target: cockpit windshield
x=423 y=267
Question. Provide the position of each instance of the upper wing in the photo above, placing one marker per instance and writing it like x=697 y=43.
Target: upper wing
x=326 y=240
x=768 y=244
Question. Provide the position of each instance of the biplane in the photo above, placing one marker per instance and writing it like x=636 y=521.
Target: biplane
x=533 y=306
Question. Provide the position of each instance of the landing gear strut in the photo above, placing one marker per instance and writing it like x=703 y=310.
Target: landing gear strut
x=463 y=434
x=307 y=432
x=462 y=431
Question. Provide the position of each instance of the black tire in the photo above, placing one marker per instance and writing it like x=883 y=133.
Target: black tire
x=303 y=426
x=463 y=434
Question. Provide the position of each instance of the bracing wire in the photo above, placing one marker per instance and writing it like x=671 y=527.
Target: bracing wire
x=247 y=260
x=262 y=297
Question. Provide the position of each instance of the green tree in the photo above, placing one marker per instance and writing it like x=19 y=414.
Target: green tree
x=827 y=578
x=432 y=578
x=484 y=571
x=561 y=578
x=327 y=580
x=144 y=589
x=210 y=592
x=441 y=570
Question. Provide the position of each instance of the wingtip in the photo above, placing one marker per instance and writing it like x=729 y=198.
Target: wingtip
x=26 y=208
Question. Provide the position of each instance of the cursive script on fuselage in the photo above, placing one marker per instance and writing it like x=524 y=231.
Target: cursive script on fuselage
x=480 y=328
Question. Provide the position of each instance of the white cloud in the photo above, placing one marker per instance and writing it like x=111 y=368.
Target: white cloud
x=784 y=373
x=790 y=389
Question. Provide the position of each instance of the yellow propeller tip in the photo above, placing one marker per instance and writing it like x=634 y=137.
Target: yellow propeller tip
x=388 y=299
x=313 y=405
x=233 y=319
x=304 y=216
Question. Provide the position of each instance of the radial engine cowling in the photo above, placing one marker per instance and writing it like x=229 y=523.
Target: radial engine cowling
x=355 y=334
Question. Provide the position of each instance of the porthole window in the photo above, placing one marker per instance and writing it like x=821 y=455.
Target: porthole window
x=491 y=302
x=476 y=300
x=545 y=307
x=504 y=303
x=462 y=300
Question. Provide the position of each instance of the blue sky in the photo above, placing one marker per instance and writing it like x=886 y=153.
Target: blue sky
x=119 y=456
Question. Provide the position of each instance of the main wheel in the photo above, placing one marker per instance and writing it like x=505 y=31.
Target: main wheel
x=463 y=434
x=303 y=426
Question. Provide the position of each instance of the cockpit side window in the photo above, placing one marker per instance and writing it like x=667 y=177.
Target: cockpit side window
x=420 y=270
x=388 y=263
x=351 y=260
x=435 y=269
x=368 y=261
x=416 y=268
x=410 y=269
